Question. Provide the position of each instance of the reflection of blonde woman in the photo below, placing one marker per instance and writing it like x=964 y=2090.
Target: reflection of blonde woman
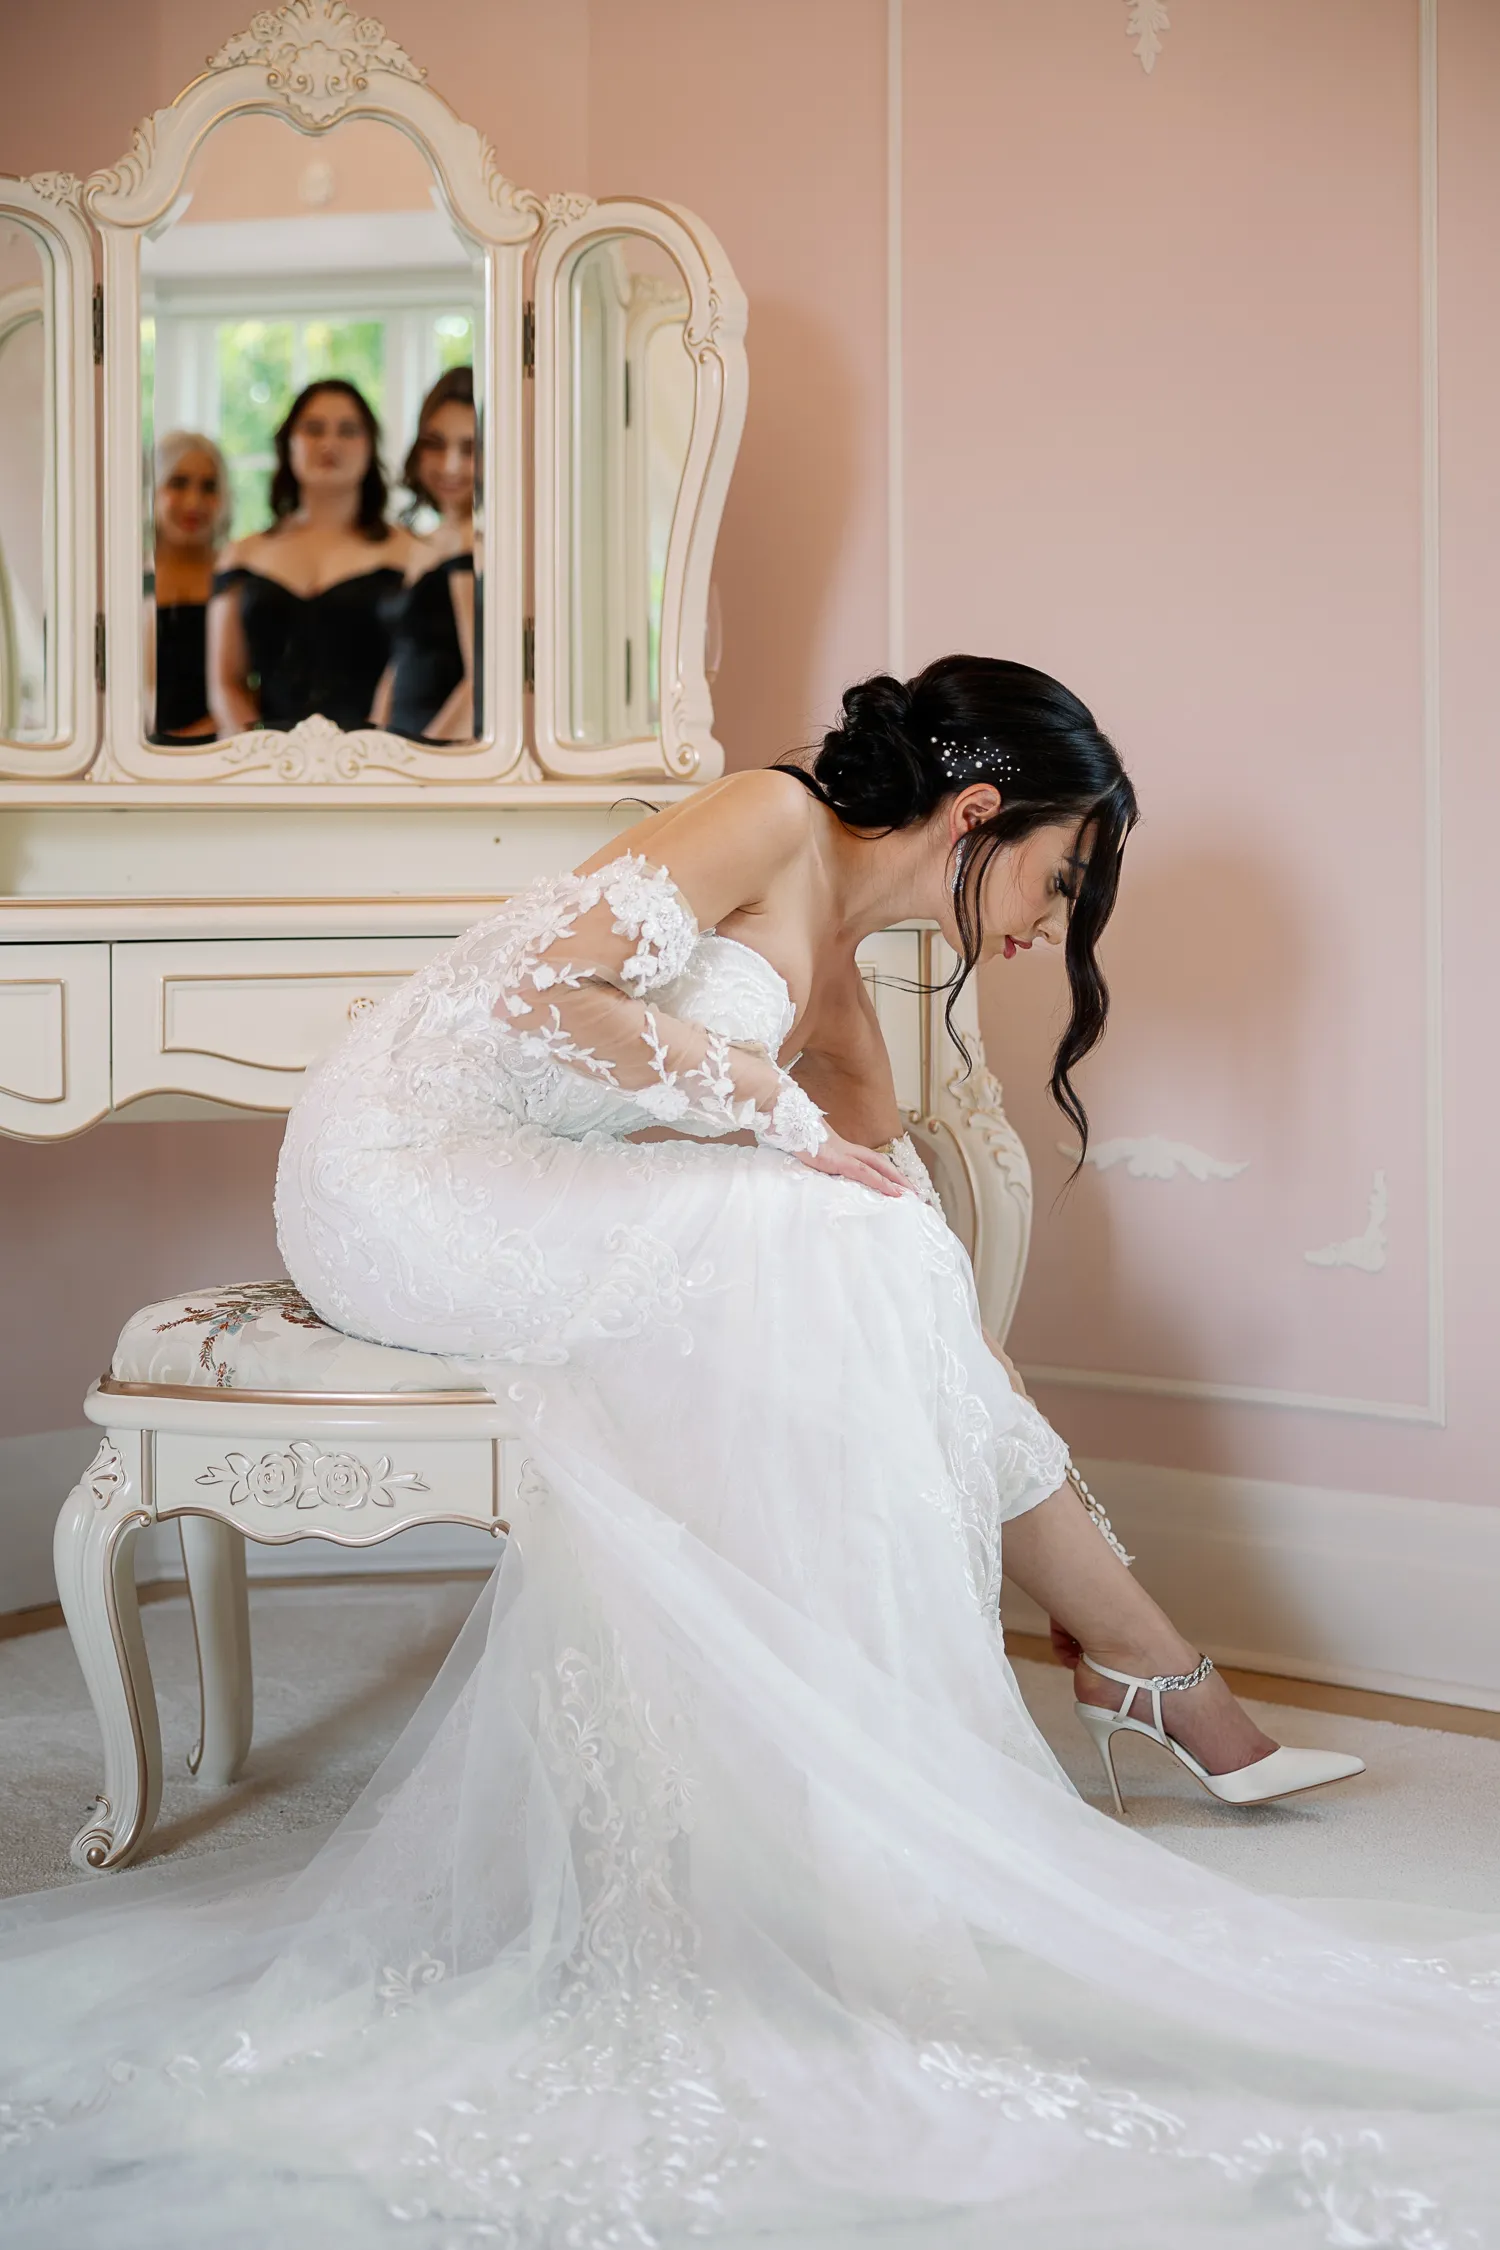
x=430 y=690
x=190 y=515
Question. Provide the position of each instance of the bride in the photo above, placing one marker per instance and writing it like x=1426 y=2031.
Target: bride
x=722 y=1889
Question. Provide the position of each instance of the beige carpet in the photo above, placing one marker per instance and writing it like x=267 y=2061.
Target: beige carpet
x=339 y=1668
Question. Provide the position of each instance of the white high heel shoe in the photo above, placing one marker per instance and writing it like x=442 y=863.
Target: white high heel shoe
x=1277 y=1775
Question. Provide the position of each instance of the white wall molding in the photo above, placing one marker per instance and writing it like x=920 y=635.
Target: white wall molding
x=1366 y=1251
x=1362 y=1589
x=895 y=354
x=1432 y=1411
x=1225 y=1394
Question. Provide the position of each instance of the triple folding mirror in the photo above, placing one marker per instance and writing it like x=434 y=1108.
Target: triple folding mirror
x=407 y=473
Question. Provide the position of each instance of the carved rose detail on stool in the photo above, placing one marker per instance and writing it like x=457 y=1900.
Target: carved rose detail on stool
x=317 y=54
x=302 y=1475
x=106 y=1476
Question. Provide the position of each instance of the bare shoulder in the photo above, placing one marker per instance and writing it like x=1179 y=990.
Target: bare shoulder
x=779 y=808
x=241 y=553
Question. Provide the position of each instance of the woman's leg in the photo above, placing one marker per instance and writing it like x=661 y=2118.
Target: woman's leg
x=1055 y=1554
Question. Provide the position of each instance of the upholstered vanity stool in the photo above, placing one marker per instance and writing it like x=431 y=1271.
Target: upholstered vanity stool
x=237 y=1414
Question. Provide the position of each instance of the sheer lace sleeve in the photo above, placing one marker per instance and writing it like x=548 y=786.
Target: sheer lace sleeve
x=576 y=988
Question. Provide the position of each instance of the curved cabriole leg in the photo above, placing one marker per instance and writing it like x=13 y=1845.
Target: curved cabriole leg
x=94 y=1554
x=213 y=1555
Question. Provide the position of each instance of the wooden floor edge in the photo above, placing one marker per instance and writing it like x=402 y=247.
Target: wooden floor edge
x=1261 y=1687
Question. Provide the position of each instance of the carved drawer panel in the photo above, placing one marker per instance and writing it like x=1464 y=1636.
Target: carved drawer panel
x=54 y=1038
x=887 y=961
x=353 y=1490
x=240 y=1020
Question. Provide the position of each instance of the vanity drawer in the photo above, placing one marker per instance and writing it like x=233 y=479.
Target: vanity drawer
x=240 y=1021
x=54 y=1038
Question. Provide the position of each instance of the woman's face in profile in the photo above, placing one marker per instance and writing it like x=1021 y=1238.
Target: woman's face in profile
x=445 y=454
x=327 y=447
x=187 y=501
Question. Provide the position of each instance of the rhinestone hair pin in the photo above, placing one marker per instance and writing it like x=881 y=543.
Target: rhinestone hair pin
x=963 y=762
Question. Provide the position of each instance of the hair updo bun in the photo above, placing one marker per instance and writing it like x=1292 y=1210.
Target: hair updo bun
x=870 y=770
x=902 y=746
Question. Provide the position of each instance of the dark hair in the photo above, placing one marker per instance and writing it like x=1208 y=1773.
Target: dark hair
x=286 y=493
x=455 y=387
x=900 y=747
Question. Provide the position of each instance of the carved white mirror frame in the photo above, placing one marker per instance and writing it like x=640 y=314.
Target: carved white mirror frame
x=685 y=749
x=49 y=204
x=314 y=63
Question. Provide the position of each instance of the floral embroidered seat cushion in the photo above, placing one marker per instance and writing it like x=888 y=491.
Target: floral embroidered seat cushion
x=264 y=1336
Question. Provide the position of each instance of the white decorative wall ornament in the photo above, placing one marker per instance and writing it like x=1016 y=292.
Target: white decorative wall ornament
x=318 y=56
x=1364 y=1252
x=1146 y=23
x=302 y=1475
x=1151 y=1156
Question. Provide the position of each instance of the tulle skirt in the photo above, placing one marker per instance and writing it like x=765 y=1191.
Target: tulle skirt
x=721 y=1889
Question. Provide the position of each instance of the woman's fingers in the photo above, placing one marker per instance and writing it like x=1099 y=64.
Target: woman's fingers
x=845 y=1160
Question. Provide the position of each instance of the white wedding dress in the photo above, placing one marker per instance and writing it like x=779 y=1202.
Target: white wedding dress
x=721 y=1889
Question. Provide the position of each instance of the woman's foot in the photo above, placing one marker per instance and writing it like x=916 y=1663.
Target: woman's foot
x=1205 y=1719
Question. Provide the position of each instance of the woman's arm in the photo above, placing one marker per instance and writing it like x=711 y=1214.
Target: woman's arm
x=234 y=708
x=578 y=975
x=454 y=720
x=847 y=1071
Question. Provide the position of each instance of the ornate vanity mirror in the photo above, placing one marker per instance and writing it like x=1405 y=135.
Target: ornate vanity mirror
x=321 y=564
x=302 y=254
x=640 y=404
x=48 y=717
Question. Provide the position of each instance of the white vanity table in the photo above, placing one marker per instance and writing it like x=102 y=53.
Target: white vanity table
x=184 y=926
x=188 y=917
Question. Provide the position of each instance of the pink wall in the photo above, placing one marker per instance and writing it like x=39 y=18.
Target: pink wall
x=1163 y=434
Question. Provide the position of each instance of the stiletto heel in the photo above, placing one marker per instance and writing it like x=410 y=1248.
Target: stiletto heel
x=1100 y=1724
x=1279 y=1774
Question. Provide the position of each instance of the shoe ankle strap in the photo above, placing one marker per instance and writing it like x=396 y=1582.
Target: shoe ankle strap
x=1164 y=1683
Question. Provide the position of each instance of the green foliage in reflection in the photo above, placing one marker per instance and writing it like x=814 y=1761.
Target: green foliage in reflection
x=262 y=363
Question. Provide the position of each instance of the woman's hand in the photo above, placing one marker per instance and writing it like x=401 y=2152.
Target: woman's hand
x=846 y=1160
x=1064 y=1647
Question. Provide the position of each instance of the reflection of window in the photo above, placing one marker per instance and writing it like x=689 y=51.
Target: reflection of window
x=233 y=375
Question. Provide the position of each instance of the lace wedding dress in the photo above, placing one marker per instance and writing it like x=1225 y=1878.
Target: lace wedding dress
x=721 y=1889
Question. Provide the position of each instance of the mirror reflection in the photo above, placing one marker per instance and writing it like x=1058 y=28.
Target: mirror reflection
x=28 y=694
x=631 y=390
x=311 y=324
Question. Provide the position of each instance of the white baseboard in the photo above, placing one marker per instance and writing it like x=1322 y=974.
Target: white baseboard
x=1356 y=1588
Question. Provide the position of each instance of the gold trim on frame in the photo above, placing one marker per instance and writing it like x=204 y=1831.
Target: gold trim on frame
x=115 y=1388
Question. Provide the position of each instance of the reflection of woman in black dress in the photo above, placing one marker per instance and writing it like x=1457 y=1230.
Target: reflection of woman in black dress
x=432 y=690
x=190 y=519
x=297 y=624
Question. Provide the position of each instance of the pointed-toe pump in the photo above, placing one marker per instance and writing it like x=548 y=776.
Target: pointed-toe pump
x=1280 y=1774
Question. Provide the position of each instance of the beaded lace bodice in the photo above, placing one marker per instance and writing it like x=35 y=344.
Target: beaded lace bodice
x=590 y=1004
